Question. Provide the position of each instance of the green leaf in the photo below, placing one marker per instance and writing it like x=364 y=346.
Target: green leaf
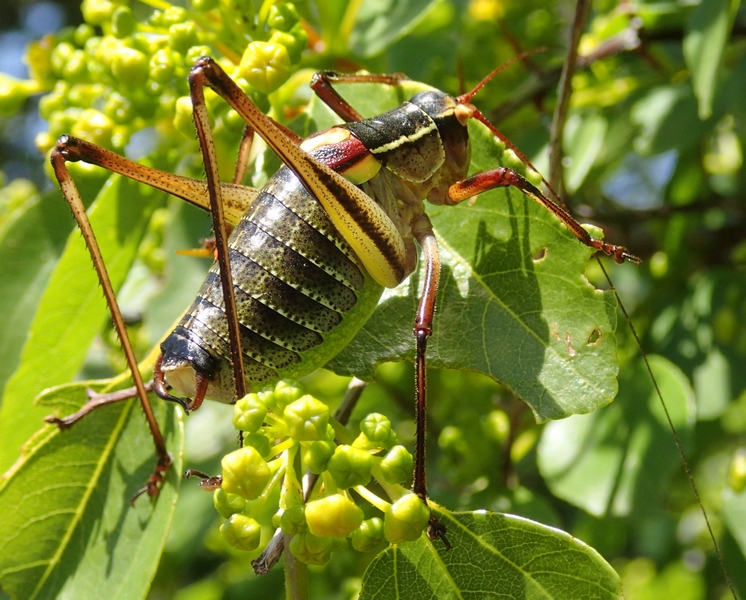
x=699 y=331
x=734 y=513
x=712 y=385
x=584 y=140
x=66 y=525
x=72 y=310
x=31 y=241
x=493 y=555
x=657 y=114
x=330 y=16
x=379 y=24
x=615 y=461
x=513 y=303
x=707 y=32
x=695 y=228
x=64 y=503
x=675 y=580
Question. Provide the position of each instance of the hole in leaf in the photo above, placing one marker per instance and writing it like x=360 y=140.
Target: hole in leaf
x=594 y=339
x=540 y=254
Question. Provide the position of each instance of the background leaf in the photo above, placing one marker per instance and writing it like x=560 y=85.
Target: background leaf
x=31 y=241
x=493 y=556
x=658 y=178
x=380 y=24
x=66 y=506
x=708 y=28
x=612 y=461
x=71 y=312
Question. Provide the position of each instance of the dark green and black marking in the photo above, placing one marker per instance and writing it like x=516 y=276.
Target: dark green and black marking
x=301 y=291
x=295 y=280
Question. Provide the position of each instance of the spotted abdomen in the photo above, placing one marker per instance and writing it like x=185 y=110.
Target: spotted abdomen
x=301 y=294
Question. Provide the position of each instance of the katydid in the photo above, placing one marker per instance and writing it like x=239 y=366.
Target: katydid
x=316 y=246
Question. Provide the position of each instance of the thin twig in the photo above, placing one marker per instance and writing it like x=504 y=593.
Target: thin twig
x=563 y=99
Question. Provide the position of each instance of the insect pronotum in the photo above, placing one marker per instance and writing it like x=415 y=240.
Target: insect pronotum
x=320 y=241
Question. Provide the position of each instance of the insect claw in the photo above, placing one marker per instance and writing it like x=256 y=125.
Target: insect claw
x=152 y=487
x=153 y=484
x=62 y=423
x=209 y=483
x=621 y=254
x=195 y=473
x=631 y=257
x=137 y=494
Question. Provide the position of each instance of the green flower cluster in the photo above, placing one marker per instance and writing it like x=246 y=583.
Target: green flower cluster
x=126 y=68
x=288 y=432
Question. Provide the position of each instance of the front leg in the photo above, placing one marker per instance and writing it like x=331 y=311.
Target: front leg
x=504 y=177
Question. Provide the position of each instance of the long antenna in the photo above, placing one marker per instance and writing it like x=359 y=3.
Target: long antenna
x=676 y=437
